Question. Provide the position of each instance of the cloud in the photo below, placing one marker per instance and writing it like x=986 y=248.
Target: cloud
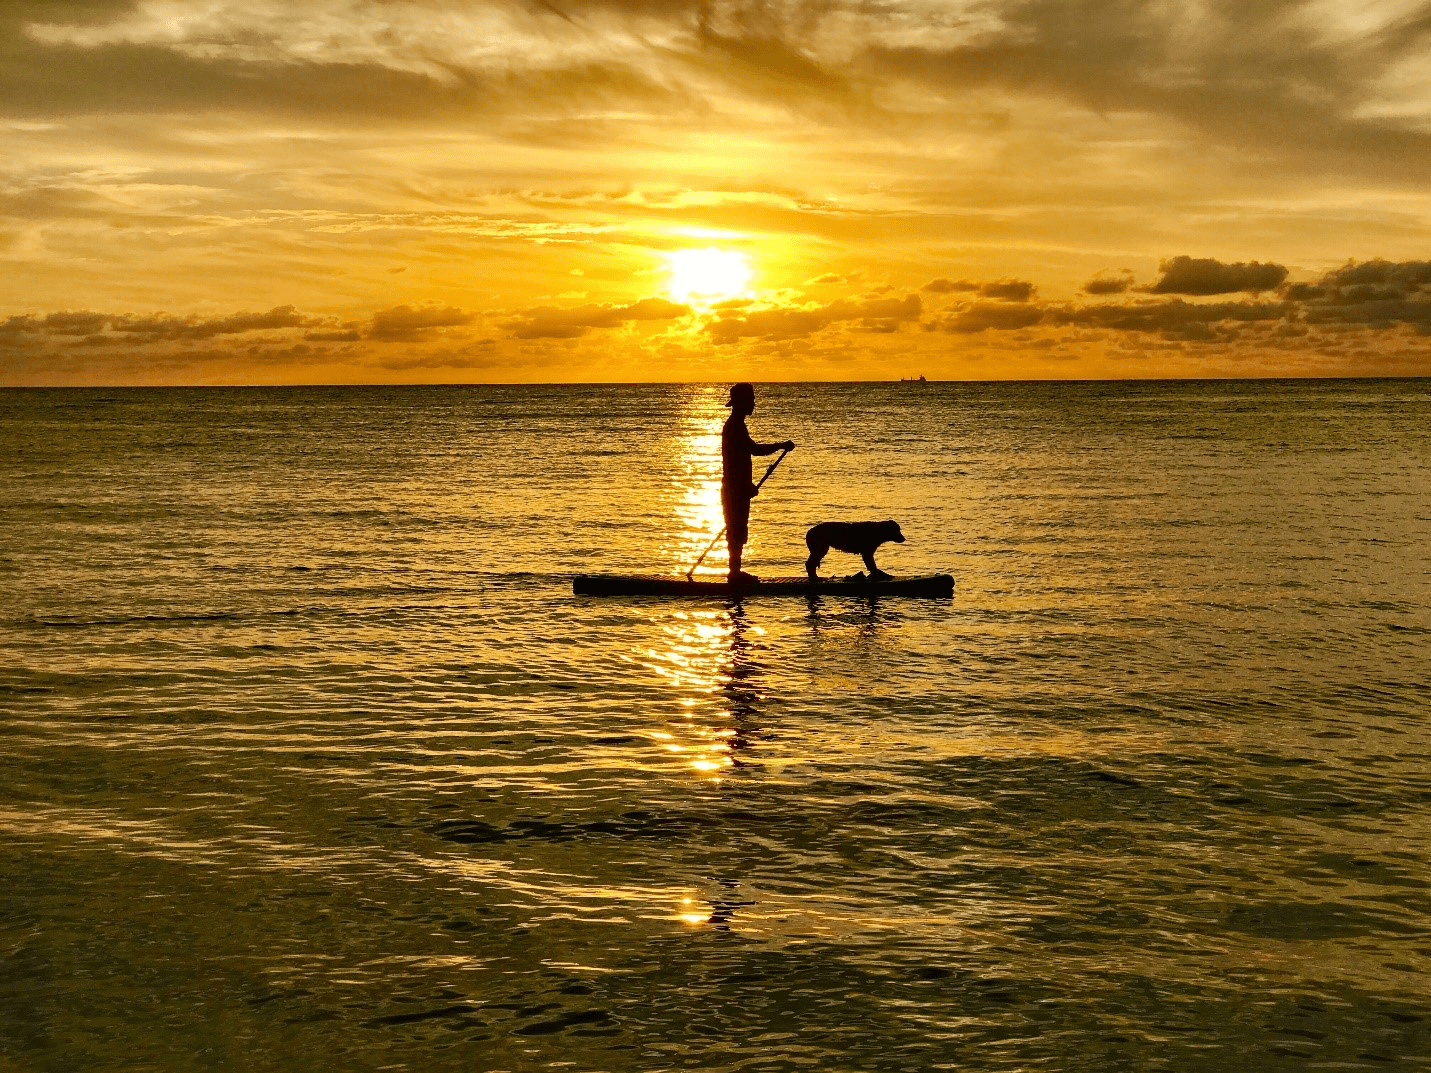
x=1173 y=318
x=150 y=328
x=654 y=309
x=793 y=322
x=1284 y=79
x=1380 y=313
x=404 y=324
x=1109 y=284
x=75 y=323
x=1404 y=277
x=949 y=286
x=1009 y=290
x=18 y=331
x=325 y=57
x=981 y=316
x=1206 y=276
x=1278 y=78
x=161 y=326
x=551 y=322
x=1373 y=294
x=1173 y=315
x=480 y=355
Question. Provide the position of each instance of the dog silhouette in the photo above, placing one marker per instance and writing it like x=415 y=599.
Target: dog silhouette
x=857 y=538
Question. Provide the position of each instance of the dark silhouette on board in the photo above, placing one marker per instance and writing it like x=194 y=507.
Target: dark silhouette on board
x=736 y=487
x=857 y=538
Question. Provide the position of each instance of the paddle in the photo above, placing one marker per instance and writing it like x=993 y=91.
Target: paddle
x=690 y=574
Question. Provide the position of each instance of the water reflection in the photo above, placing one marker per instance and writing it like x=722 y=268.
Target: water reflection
x=865 y=615
x=740 y=682
x=731 y=728
x=711 y=656
x=694 y=458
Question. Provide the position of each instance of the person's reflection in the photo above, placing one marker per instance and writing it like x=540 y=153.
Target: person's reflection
x=740 y=685
x=740 y=678
x=726 y=904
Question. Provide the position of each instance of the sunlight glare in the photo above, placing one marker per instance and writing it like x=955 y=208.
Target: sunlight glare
x=709 y=275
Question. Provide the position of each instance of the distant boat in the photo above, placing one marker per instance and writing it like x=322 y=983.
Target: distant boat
x=913 y=380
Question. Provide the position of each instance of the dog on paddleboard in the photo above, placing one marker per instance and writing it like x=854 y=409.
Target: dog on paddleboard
x=857 y=538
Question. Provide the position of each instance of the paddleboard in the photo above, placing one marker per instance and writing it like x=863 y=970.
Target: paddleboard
x=933 y=586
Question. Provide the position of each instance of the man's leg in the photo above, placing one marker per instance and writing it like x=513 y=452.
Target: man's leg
x=735 y=551
x=737 y=530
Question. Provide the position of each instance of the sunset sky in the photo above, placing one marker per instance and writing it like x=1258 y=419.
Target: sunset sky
x=355 y=191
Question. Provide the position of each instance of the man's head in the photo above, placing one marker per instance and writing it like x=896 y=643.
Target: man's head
x=742 y=399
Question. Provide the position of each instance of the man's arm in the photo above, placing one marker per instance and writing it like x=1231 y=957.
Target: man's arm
x=771 y=448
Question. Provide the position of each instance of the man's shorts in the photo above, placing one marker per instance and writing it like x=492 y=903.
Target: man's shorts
x=737 y=518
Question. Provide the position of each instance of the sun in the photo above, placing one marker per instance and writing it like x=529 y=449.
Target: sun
x=705 y=276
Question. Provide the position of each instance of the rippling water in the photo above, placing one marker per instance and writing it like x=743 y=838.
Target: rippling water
x=312 y=761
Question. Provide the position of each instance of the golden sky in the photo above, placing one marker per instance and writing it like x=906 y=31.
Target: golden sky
x=355 y=191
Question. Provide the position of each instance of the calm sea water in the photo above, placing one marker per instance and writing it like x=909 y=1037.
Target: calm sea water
x=312 y=761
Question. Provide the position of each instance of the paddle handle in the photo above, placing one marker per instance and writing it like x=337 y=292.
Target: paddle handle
x=690 y=574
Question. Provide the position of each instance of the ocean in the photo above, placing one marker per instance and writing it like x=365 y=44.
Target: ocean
x=312 y=761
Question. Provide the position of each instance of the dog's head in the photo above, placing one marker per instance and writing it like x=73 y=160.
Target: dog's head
x=890 y=531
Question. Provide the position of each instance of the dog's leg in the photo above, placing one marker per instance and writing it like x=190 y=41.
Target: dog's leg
x=817 y=555
x=875 y=572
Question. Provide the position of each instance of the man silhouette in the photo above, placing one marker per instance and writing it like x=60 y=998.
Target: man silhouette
x=736 y=487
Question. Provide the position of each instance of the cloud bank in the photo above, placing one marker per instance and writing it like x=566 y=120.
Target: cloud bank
x=433 y=187
x=1352 y=310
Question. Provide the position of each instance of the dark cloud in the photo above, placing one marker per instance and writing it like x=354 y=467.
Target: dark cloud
x=949 y=286
x=1402 y=277
x=1374 y=294
x=654 y=309
x=1173 y=318
x=163 y=327
x=404 y=324
x=1109 y=284
x=480 y=355
x=1303 y=292
x=20 y=330
x=550 y=322
x=1206 y=276
x=151 y=328
x=1380 y=313
x=981 y=316
x=769 y=324
x=872 y=314
x=1008 y=290
x=1377 y=283
x=75 y=323
x=1170 y=315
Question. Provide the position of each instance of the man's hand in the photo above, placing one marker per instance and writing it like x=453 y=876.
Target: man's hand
x=788 y=445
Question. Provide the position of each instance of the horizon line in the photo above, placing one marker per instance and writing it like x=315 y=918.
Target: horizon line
x=694 y=383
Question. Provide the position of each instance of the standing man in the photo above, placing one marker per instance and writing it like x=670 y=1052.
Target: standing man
x=736 y=487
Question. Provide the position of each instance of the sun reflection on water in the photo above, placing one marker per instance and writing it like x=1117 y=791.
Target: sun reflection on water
x=695 y=506
x=706 y=655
